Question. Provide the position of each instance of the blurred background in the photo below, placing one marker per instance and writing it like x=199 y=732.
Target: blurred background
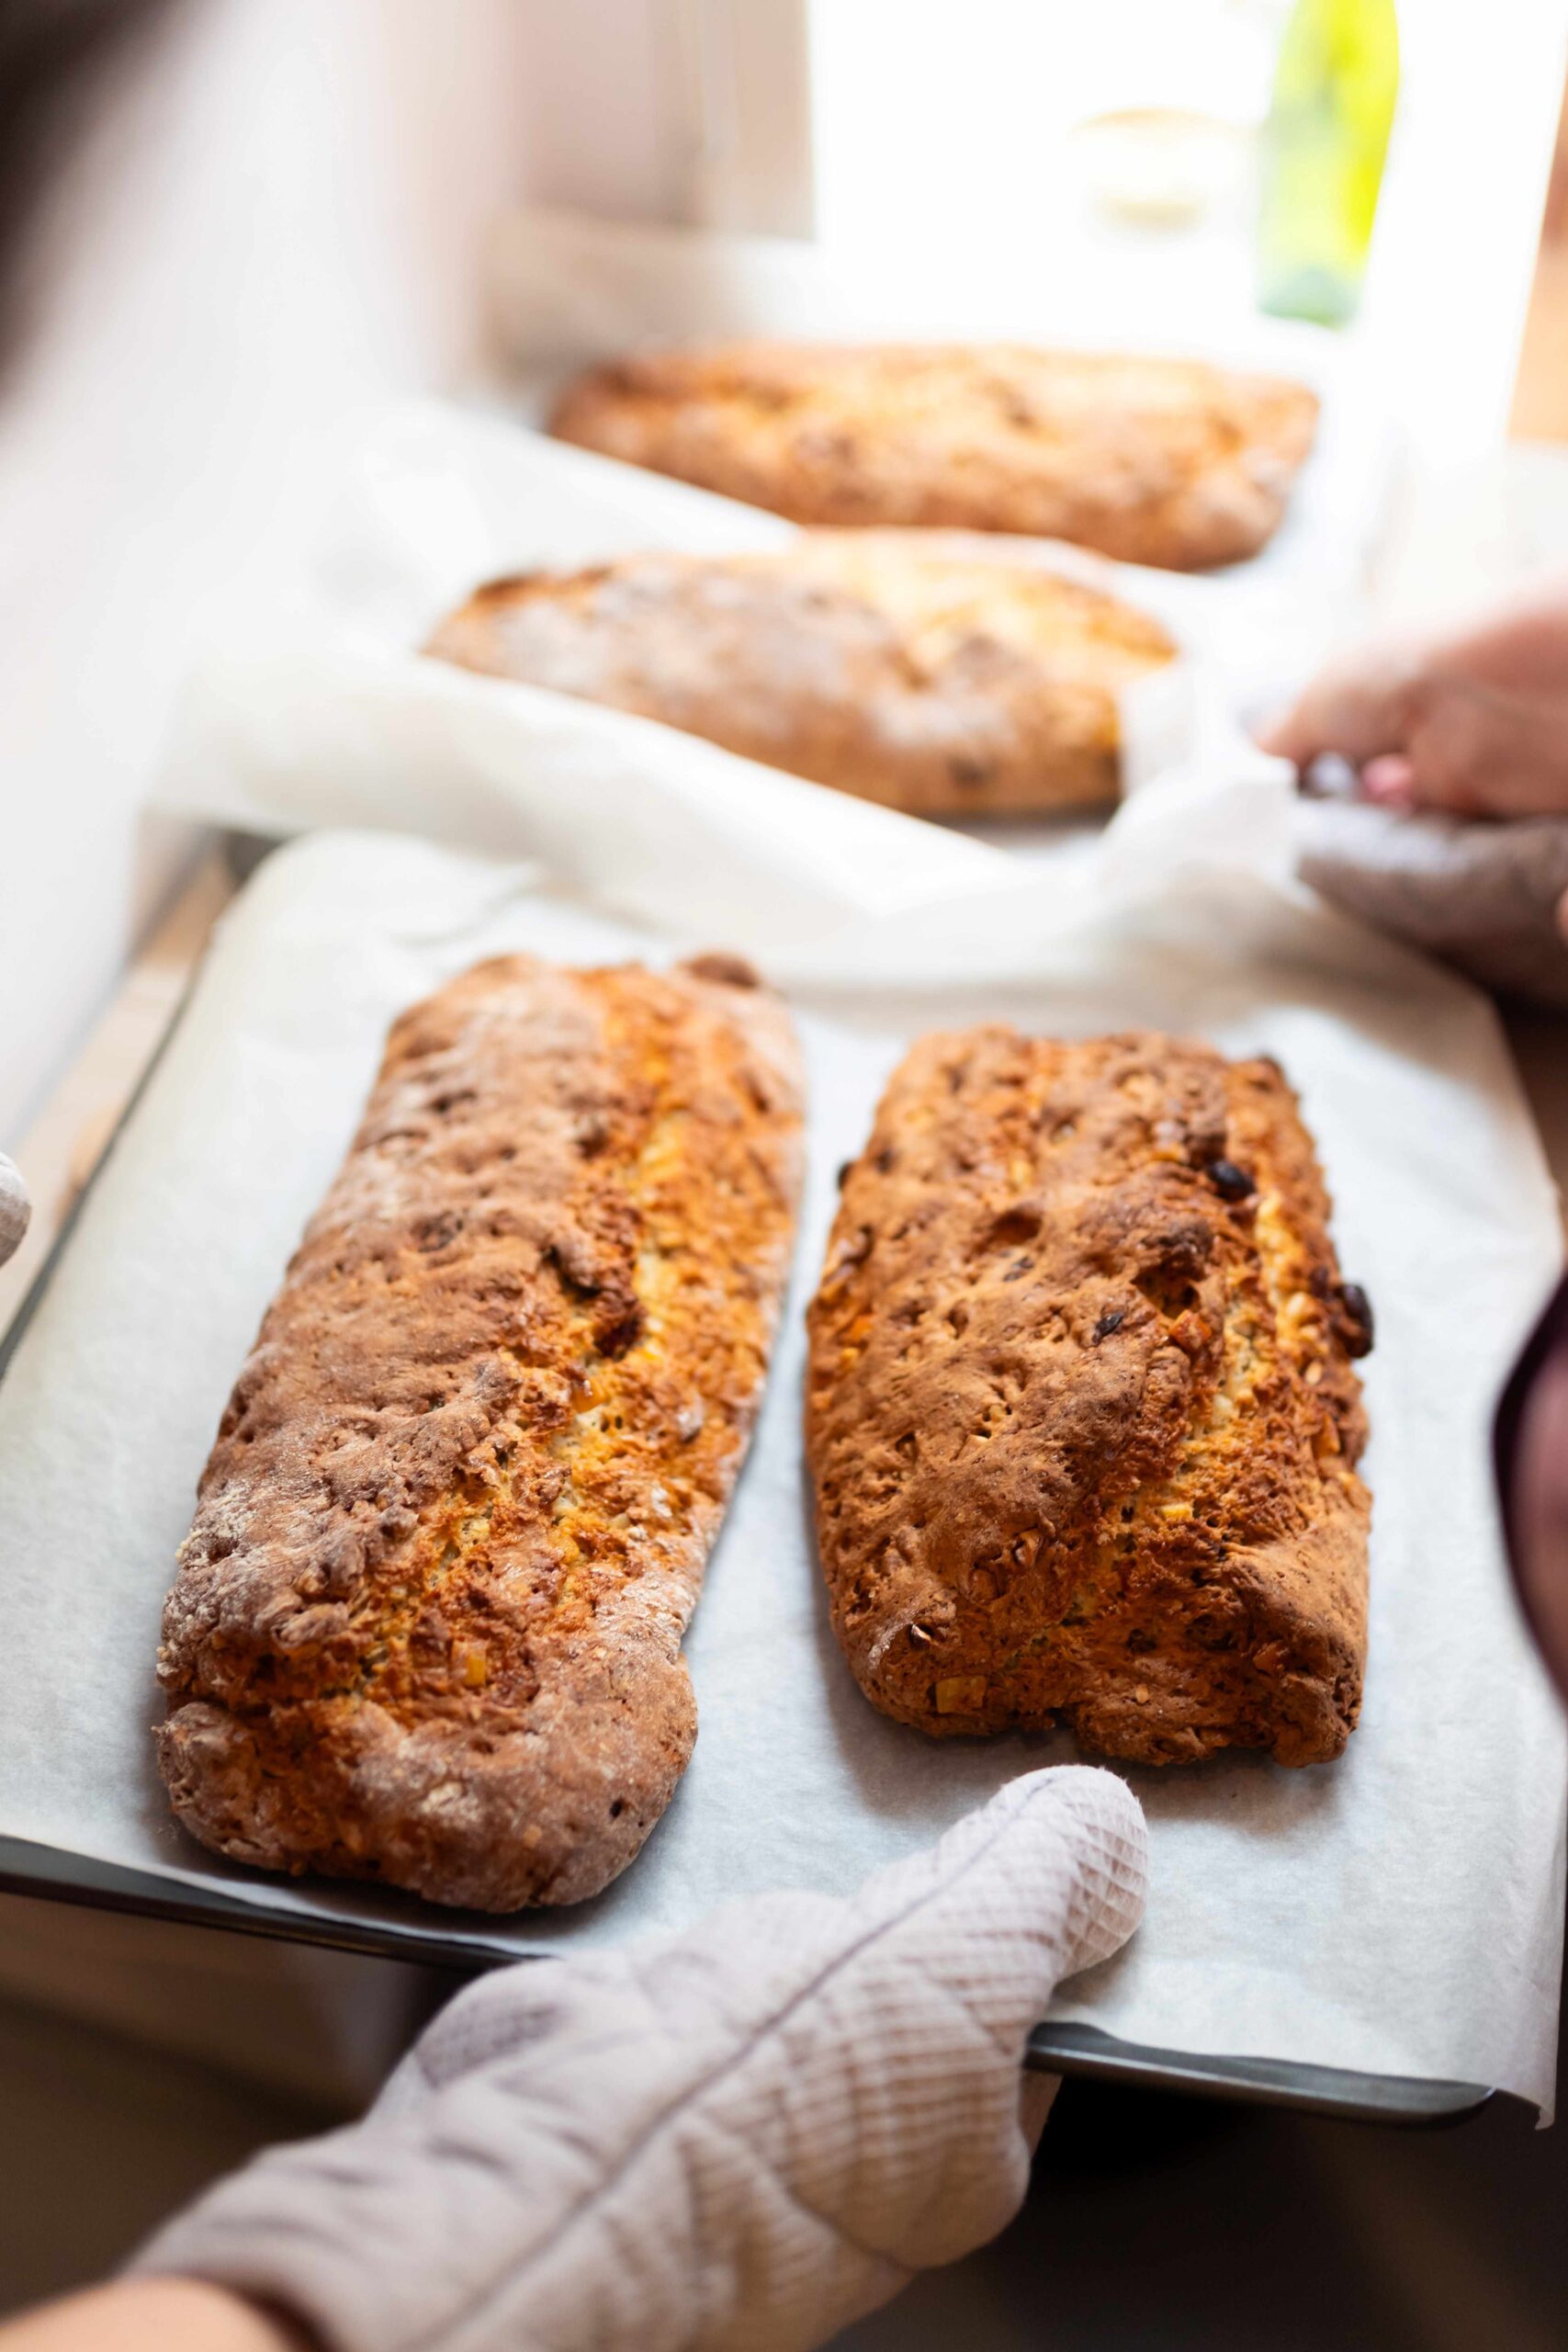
x=229 y=224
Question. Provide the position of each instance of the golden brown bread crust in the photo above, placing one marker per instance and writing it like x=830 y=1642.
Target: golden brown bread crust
x=427 y=1623
x=913 y=668
x=1160 y=461
x=1081 y=1414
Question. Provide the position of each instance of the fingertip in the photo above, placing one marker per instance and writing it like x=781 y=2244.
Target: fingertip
x=1389 y=781
x=1278 y=736
x=1101 y=1796
x=1108 y=1836
x=1091 y=1792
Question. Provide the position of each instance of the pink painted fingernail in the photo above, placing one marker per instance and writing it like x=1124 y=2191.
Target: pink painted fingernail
x=1390 y=780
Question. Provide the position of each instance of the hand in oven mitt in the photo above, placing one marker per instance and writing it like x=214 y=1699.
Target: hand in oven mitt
x=1458 y=740
x=745 y=2135
x=1488 y=898
x=15 y=1207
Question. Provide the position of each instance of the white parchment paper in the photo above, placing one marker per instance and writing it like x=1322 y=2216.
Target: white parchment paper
x=310 y=703
x=1397 y=1911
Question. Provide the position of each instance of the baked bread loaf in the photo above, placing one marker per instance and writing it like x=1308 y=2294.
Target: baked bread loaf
x=919 y=669
x=1081 y=1413
x=1160 y=461
x=426 y=1627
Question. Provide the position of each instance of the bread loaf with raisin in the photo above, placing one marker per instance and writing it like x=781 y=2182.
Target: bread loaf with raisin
x=426 y=1626
x=915 y=667
x=1082 y=1416
x=1154 y=460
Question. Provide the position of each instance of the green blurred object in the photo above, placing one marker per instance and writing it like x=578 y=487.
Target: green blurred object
x=1324 y=146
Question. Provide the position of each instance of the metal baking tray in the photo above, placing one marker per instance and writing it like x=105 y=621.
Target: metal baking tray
x=465 y=1944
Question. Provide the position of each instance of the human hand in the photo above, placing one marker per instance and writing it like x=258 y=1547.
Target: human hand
x=1472 y=721
x=737 y=2139
x=152 y=2315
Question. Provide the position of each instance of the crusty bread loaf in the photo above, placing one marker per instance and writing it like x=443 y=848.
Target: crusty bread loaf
x=1161 y=461
x=1081 y=1413
x=428 y=1624
x=915 y=667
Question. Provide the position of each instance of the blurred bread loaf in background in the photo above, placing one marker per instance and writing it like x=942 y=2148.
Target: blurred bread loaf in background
x=919 y=669
x=1172 y=462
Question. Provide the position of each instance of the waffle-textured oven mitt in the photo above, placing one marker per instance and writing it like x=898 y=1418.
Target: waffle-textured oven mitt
x=1484 y=895
x=15 y=1207
x=745 y=2135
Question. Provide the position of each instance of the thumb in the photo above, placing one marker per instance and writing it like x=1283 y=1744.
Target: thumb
x=1090 y=1820
x=1047 y=1878
x=946 y=1961
x=1284 y=736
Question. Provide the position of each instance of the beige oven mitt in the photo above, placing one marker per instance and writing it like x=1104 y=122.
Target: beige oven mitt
x=1483 y=895
x=15 y=1208
x=737 y=2139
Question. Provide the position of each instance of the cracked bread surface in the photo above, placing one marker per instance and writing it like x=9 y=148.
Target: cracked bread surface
x=1082 y=1417
x=426 y=1626
x=1166 y=461
x=919 y=669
